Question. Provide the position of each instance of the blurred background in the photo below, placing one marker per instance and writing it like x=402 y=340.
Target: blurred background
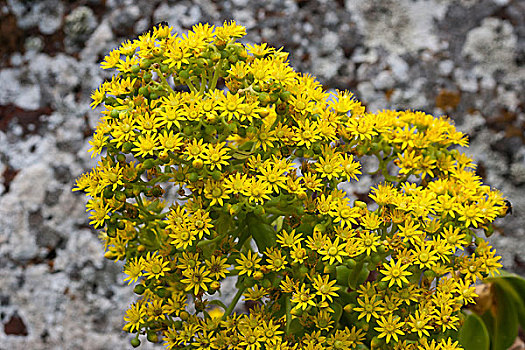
x=462 y=58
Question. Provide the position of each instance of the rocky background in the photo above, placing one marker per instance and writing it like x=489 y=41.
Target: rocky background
x=463 y=58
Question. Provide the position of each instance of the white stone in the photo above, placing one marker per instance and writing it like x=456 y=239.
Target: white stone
x=29 y=185
x=445 y=67
x=493 y=46
x=383 y=80
x=399 y=67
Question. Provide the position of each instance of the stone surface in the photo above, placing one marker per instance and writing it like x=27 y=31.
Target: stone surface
x=462 y=58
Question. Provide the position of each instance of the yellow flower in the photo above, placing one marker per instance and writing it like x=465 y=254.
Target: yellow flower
x=176 y=303
x=395 y=273
x=289 y=239
x=446 y=318
x=470 y=214
x=346 y=215
x=333 y=251
x=311 y=181
x=170 y=141
x=217 y=267
x=183 y=236
x=306 y=133
x=133 y=269
x=276 y=261
x=425 y=255
x=409 y=232
x=155 y=266
x=343 y=102
x=111 y=60
x=328 y=166
x=264 y=138
x=302 y=298
x=362 y=128
x=298 y=254
x=368 y=241
x=259 y=50
x=98 y=143
x=99 y=212
x=350 y=167
x=288 y=285
x=466 y=292
x=324 y=287
x=216 y=155
x=155 y=310
x=200 y=223
x=145 y=145
x=231 y=105
x=383 y=193
x=368 y=307
x=196 y=279
x=419 y=323
x=250 y=338
x=248 y=263
x=215 y=191
x=255 y=293
x=273 y=176
x=126 y=64
x=390 y=327
x=271 y=332
x=135 y=317
x=98 y=96
x=324 y=204
x=302 y=104
x=449 y=344
x=188 y=260
x=230 y=30
x=177 y=54
x=124 y=131
x=323 y=321
x=237 y=184
x=258 y=190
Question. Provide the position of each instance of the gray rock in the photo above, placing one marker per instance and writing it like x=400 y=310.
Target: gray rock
x=492 y=45
x=54 y=276
x=78 y=27
x=383 y=81
x=45 y=14
x=445 y=67
x=399 y=68
x=17 y=90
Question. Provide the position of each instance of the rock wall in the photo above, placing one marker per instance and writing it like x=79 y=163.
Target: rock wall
x=463 y=58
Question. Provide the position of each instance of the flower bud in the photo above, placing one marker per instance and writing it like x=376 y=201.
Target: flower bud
x=135 y=342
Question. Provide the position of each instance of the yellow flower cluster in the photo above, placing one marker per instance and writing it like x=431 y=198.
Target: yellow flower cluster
x=256 y=153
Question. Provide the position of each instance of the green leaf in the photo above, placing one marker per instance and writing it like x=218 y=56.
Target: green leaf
x=263 y=233
x=296 y=328
x=488 y=320
x=473 y=335
x=358 y=275
x=514 y=287
x=505 y=320
x=342 y=273
x=218 y=303
x=338 y=311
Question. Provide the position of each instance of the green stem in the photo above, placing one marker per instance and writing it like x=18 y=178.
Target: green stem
x=288 y=306
x=216 y=74
x=210 y=241
x=139 y=201
x=190 y=85
x=164 y=81
x=249 y=88
x=203 y=84
x=233 y=303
